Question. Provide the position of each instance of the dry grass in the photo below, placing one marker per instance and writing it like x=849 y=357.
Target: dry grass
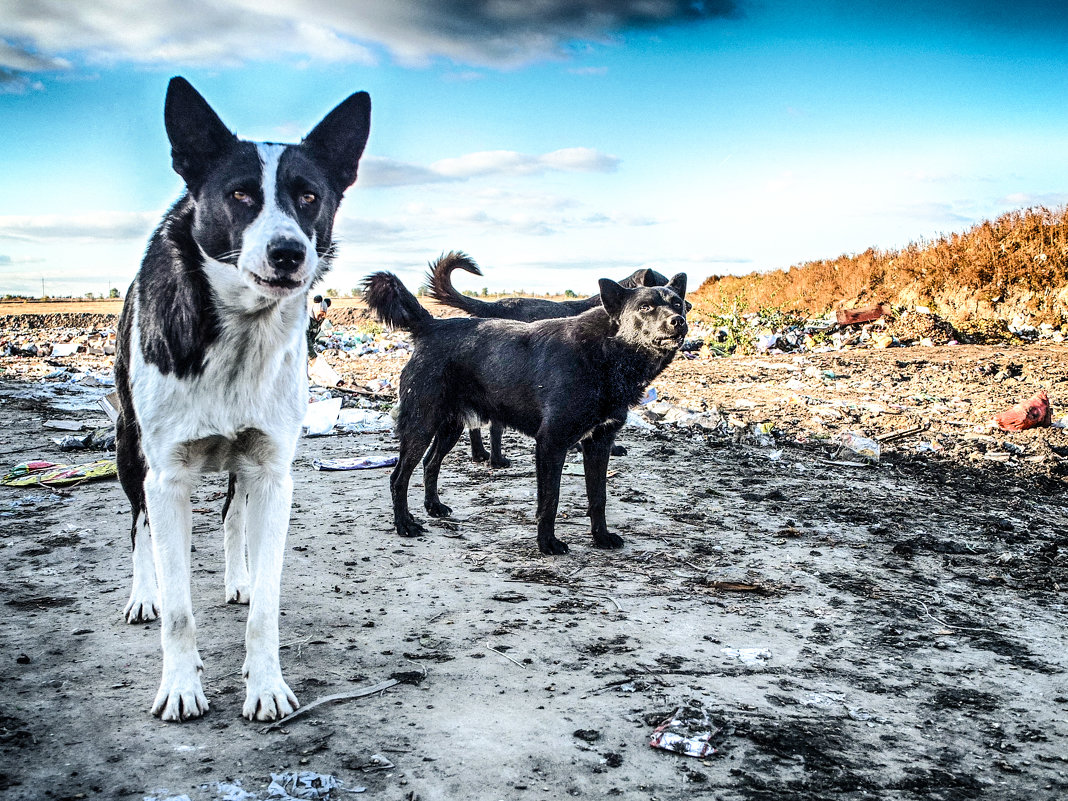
x=1016 y=264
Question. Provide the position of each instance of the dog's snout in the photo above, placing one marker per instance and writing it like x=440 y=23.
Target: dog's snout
x=286 y=255
x=677 y=322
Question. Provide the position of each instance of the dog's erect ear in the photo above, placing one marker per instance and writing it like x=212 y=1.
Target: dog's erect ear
x=338 y=141
x=613 y=297
x=678 y=284
x=198 y=137
x=646 y=277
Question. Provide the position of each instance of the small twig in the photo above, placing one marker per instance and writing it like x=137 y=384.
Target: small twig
x=927 y=612
x=613 y=600
x=576 y=572
x=327 y=699
x=499 y=653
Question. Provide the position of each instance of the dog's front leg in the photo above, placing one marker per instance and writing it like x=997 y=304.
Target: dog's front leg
x=236 y=580
x=180 y=695
x=549 y=461
x=270 y=494
x=595 y=452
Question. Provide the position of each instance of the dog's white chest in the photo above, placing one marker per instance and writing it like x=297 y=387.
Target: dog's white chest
x=253 y=379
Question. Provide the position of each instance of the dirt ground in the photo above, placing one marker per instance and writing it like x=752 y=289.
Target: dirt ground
x=848 y=631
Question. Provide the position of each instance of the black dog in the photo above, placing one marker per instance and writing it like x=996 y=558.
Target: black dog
x=528 y=310
x=560 y=381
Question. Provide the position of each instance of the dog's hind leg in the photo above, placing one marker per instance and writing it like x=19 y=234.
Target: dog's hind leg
x=478 y=449
x=595 y=451
x=180 y=695
x=270 y=494
x=414 y=441
x=447 y=435
x=144 y=593
x=549 y=461
x=496 y=455
x=143 y=604
x=236 y=581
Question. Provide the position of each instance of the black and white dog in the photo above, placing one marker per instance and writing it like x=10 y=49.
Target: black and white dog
x=211 y=369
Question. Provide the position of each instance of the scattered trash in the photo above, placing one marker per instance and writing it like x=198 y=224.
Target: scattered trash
x=1031 y=413
x=867 y=315
x=687 y=731
x=359 y=463
x=322 y=374
x=303 y=785
x=110 y=404
x=101 y=439
x=364 y=421
x=64 y=425
x=853 y=444
x=51 y=474
x=65 y=349
x=321 y=415
x=748 y=656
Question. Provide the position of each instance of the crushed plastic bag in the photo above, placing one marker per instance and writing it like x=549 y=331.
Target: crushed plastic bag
x=321 y=416
x=687 y=731
x=853 y=444
x=1032 y=413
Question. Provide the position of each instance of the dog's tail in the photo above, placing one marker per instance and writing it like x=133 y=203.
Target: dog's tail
x=393 y=304
x=439 y=281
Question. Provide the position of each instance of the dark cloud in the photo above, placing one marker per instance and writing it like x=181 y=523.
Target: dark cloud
x=497 y=33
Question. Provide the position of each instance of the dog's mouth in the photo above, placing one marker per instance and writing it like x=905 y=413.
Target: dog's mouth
x=670 y=342
x=279 y=284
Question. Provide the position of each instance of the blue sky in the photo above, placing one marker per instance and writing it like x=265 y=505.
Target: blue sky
x=557 y=142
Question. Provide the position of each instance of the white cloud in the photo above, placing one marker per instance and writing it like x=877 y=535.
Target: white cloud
x=383 y=172
x=94 y=226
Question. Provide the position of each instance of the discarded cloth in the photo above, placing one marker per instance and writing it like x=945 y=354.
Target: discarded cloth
x=360 y=463
x=51 y=474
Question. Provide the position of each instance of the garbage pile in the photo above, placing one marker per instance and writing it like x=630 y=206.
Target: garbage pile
x=57 y=335
x=361 y=341
x=774 y=331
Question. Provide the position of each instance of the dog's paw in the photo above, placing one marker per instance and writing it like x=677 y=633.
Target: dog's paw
x=141 y=608
x=238 y=594
x=552 y=546
x=438 y=509
x=269 y=700
x=607 y=540
x=500 y=463
x=479 y=455
x=619 y=450
x=409 y=526
x=180 y=695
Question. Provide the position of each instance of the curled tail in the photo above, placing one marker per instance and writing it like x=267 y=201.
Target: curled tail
x=393 y=304
x=439 y=281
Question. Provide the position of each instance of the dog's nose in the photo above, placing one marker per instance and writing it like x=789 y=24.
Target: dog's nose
x=678 y=321
x=285 y=255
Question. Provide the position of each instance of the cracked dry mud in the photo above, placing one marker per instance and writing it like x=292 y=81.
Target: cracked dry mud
x=914 y=611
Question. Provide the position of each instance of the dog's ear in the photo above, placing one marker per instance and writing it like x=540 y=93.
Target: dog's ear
x=646 y=277
x=613 y=297
x=198 y=137
x=678 y=284
x=338 y=141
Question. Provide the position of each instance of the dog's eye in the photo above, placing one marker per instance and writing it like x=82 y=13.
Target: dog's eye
x=242 y=197
x=646 y=307
x=308 y=198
